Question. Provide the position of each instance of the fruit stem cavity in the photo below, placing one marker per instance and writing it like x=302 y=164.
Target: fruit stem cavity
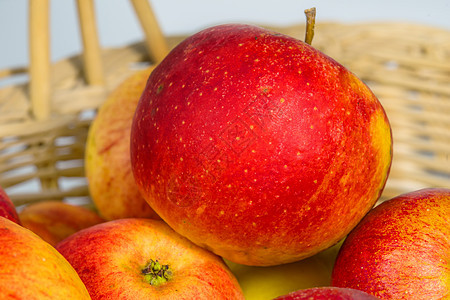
x=156 y=273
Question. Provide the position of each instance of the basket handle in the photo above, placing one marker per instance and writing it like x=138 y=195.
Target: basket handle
x=40 y=85
x=39 y=40
x=155 y=41
x=92 y=59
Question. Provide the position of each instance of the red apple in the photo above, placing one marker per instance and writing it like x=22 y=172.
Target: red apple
x=327 y=293
x=108 y=168
x=145 y=259
x=7 y=208
x=53 y=221
x=32 y=269
x=257 y=146
x=401 y=249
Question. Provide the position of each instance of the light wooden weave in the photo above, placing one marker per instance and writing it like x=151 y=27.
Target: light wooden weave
x=42 y=139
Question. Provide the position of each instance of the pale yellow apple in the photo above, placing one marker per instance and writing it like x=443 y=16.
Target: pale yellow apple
x=108 y=167
x=266 y=283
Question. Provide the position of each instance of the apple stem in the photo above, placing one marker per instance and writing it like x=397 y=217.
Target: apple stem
x=156 y=273
x=310 y=22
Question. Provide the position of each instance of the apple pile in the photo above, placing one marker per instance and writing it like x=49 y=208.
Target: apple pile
x=55 y=250
x=246 y=165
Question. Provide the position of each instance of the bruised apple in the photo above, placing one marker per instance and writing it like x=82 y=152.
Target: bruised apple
x=108 y=169
x=7 y=208
x=53 y=221
x=257 y=146
x=145 y=259
x=401 y=249
x=30 y=268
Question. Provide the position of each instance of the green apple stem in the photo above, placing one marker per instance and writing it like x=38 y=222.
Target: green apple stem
x=156 y=273
x=310 y=22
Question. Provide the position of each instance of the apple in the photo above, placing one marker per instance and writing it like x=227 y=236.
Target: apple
x=266 y=283
x=30 y=268
x=327 y=293
x=7 y=208
x=139 y=258
x=53 y=221
x=401 y=249
x=257 y=146
x=107 y=158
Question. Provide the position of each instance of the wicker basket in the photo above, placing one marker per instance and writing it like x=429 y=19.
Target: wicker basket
x=44 y=124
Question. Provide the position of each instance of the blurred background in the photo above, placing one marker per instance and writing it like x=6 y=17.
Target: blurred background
x=118 y=25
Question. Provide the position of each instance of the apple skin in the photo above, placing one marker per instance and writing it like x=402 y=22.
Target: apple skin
x=110 y=257
x=30 y=268
x=7 y=208
x=107 y=158
x=327 y=293
x=53 y=221
x=257 y=146
x=400 y=250
x=265 y=283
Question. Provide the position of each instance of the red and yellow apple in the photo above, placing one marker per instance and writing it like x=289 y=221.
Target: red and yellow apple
x=53 y=221
x=30 y=268
x=145 y=259
x=7 y=208
x=108 y=169
x=257 y=146
x=401 y=249
x=327 y=293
